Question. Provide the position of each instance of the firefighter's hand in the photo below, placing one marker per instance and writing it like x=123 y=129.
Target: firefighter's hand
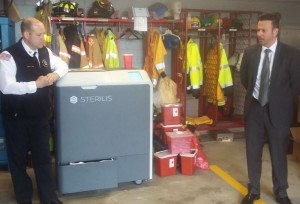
x=52 y=77
x=163 y=74
x=42 y=82
x=196 y=93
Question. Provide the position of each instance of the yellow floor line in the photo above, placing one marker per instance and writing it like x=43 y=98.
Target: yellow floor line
x=231 y=181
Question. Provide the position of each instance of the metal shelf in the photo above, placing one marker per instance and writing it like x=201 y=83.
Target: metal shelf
x=111 y=20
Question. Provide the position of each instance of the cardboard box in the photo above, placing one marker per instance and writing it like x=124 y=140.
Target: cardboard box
x=188 y=162
x=171 y=113
x=170 y=128
x=165 y=163
x=296 y=142
x=180 y=141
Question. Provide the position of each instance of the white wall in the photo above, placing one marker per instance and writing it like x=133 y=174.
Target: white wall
x=288 y=8
x=290 y=35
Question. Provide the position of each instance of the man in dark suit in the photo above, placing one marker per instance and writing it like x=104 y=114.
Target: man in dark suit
x=269 y=106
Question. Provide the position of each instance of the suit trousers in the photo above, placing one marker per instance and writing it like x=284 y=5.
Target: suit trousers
x=23 y=135
x=258 y=130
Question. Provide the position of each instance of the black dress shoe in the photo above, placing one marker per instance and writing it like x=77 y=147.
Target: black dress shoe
x=284 y=200
x=250 y=198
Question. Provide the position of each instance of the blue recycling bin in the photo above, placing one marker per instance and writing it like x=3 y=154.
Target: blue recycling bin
x=7 y=33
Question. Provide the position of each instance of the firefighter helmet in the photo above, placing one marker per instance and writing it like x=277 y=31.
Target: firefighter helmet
x=101 y=9
x=65 y=8
x=196 y=22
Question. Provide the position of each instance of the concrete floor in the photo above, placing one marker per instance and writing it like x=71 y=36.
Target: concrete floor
x=204 y=187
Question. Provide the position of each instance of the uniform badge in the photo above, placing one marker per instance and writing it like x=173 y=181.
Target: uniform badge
x=5 y=56
x=45 y=63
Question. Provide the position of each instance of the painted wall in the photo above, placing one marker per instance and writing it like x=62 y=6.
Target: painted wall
x=288 y=8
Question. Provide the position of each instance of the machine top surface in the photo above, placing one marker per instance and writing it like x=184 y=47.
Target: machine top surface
x=96 y=78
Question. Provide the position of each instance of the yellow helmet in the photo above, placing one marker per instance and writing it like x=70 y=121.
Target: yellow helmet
x=65 y=8
x=196 y=22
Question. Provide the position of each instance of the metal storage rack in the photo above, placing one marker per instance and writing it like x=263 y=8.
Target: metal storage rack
x=120 y=25
x=237 y=39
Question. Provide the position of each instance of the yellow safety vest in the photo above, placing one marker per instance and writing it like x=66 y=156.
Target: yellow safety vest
x=194 y=65
x=225 y=77
x=112 y=55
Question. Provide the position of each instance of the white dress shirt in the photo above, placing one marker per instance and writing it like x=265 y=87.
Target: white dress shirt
x=262 y=55
x=8 y=70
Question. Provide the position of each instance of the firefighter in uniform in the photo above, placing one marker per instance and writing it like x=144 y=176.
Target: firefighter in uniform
x=27 y=71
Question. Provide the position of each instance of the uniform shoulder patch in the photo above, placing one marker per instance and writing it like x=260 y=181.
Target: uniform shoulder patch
x=45 y=63
x=5 y=56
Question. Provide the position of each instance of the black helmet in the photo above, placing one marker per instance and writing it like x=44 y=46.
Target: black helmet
x=65 y=8
x=101 y=9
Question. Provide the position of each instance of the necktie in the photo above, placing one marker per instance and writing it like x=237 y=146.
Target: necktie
x=264 y=80
x=36 y=59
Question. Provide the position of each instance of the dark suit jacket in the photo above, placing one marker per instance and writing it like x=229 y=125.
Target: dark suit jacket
x=284 y=82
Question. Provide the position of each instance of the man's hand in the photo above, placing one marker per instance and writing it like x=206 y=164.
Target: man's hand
x=43 y=81
x=52 y=77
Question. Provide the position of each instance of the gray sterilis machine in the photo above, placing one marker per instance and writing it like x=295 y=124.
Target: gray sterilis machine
x=103 y=129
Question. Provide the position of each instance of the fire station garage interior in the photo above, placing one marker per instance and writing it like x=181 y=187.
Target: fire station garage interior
x=152 y=108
